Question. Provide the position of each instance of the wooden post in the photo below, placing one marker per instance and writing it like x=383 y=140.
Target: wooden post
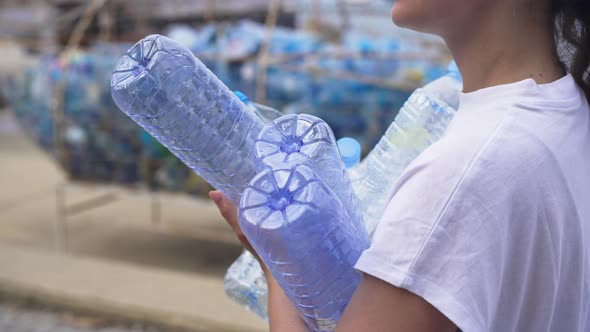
x=210 y=12
x=105 y=23
x=271 y=22
x=80 y=29
x=344 y=15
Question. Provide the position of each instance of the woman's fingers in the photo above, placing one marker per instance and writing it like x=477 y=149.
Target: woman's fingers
x=227 y=208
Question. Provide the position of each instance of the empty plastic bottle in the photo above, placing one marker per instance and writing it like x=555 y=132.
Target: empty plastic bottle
x=163 y=87
x=421 y=121
x=245 y=283
x=447 y=87
x=307 y=140
x=301 y=231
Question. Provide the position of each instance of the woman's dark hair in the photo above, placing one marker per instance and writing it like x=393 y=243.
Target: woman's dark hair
x=572 y=38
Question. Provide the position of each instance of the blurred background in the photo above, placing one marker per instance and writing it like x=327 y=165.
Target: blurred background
x=101 y=228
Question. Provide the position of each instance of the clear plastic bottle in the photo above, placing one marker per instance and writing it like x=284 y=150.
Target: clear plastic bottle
x=163 y=87
x=447 y=87
x=303 y=139
x=421 y=121
x=301 y=231
x=244 y=283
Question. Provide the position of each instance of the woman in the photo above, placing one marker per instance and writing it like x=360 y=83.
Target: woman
x=489 y=229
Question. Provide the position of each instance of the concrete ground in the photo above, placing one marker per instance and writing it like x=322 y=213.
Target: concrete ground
x=172 y=270
x=16 y=317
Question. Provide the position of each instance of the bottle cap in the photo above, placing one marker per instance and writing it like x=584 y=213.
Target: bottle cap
x=242 y=96
x=453 y=71
x=350 y=151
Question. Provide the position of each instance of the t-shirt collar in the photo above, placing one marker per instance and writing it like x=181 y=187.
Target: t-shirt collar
x=561 y=91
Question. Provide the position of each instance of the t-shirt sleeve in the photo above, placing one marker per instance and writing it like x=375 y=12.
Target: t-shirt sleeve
x=439 y=238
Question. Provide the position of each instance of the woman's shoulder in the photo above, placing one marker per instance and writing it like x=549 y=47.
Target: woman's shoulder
x=489 y=160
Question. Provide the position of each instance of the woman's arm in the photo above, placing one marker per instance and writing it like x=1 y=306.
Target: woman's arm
x=375 y=306
x=378 y=306
x=282 y=315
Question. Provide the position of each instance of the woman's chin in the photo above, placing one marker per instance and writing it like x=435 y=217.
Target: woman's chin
x=394 y=14
x=407 y=18
x=400 y=16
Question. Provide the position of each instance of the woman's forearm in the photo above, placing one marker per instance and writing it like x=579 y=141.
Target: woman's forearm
x=282 y=314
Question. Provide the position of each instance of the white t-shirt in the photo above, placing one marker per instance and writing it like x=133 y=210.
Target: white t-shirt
x=491 y=224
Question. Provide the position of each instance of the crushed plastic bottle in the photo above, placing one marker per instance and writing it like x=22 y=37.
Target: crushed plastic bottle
x=244 y=283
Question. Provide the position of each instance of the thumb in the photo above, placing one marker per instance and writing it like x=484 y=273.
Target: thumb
x=216 y=196
x=227 y=208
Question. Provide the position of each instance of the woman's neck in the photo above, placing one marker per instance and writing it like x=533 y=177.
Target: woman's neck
x=503 y=47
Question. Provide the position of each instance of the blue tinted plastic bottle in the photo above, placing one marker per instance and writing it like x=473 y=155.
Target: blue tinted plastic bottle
x=174 y=97
x=307 y=140
x=301 y=231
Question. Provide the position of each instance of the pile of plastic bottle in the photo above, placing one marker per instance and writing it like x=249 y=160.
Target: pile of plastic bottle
x=99 y=144
x=96 y=141
x=295 y=196
x=351 y=107
x=30 y=96
x=305 y=214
